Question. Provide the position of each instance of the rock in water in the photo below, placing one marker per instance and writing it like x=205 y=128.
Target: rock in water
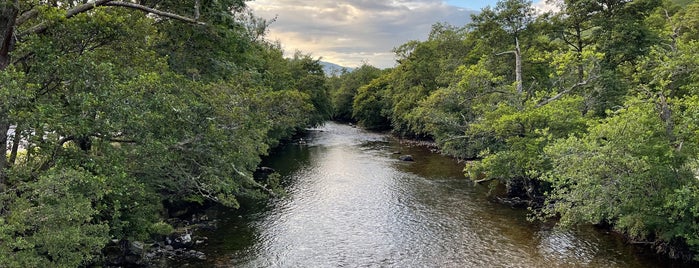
x=407 y=158
x=266 y=170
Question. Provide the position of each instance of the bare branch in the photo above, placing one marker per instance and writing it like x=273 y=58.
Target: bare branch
x=41 y=27
x=559 y=95
x=506 y=52
x=153 y=11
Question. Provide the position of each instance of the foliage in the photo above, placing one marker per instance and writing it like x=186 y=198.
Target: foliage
x=624 y=172
x=594 y=119
x=116 y=112
x=53 y=221
x=348 y=84
x=370 y=108
x=424 y=67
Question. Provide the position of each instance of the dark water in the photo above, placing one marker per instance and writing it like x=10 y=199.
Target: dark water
x=351 y=203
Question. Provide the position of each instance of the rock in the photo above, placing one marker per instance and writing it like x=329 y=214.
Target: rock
x=133 y=260
x=180 y=240
x=266 y=169
x=151 y=255
x=201 y=240
x=407 y=158
x=396 y=152
x=137 y=248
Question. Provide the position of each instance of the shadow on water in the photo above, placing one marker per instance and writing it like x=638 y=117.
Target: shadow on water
x=352 y=203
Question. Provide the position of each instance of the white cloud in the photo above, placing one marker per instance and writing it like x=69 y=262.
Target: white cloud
x=350 y=32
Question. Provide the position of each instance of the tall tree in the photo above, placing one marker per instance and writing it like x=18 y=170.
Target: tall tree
x=513 y=17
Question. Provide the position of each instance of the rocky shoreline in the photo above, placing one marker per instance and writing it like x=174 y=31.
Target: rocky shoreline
x=163 y=251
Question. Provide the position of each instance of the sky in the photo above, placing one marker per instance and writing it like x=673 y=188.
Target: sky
x=352 y=32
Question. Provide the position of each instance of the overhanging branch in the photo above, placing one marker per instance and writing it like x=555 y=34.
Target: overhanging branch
x=41 y=27
x=152 y=11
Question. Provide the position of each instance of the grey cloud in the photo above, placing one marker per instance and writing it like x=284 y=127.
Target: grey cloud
x=349 y=32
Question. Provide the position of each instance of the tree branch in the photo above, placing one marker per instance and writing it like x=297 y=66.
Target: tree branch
x=114 y=139
x=41 y=27
x=506 y=52
x=559 y=95
x=153 y=11
x=30 y=14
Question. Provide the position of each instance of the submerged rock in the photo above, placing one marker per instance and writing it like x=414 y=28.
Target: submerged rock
x=407 y=158
x=266 y=170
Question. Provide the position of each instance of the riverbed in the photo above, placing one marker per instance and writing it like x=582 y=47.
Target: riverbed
x=351 y=203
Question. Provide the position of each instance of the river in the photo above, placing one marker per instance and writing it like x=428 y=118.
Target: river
x=352 y=203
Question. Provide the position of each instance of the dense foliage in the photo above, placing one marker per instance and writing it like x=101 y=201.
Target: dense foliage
x=345 y=86
x=590 y=112
x=113 y=113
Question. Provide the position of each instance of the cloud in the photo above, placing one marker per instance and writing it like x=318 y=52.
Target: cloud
x=354 y=31
x=351 y=32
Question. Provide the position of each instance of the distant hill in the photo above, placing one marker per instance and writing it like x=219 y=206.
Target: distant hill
x=331 y=68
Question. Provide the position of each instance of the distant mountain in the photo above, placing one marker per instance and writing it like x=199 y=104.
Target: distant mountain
x=331 y=68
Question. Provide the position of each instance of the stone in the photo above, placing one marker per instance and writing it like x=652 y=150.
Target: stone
x=407 y=158
x=137 y=248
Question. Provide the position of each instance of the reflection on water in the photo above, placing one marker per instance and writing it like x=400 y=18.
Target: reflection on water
x=351 y=203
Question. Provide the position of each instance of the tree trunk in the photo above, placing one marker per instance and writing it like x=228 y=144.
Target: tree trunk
x=4 y=127
x=16 y=140
x=518 y=66
x=666 y=116
x=581 y=70
x=8 y=15
x=197 y=6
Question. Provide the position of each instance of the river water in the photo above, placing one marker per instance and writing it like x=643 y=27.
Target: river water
x=352 y=203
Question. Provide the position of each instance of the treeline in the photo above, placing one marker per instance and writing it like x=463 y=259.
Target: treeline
x=110 y=113
x=590 y=112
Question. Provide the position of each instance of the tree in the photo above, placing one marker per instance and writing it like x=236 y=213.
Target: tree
x=513 y=17
x=370 y=107
x=20 y=20
x=636 y=170
x=575 y=26
x=97 y=102
x=424 y=67
x=343 y=97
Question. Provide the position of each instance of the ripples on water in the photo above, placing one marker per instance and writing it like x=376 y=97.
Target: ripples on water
x=351 y=203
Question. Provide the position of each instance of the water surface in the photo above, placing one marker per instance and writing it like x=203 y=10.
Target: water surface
x=352 y=203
